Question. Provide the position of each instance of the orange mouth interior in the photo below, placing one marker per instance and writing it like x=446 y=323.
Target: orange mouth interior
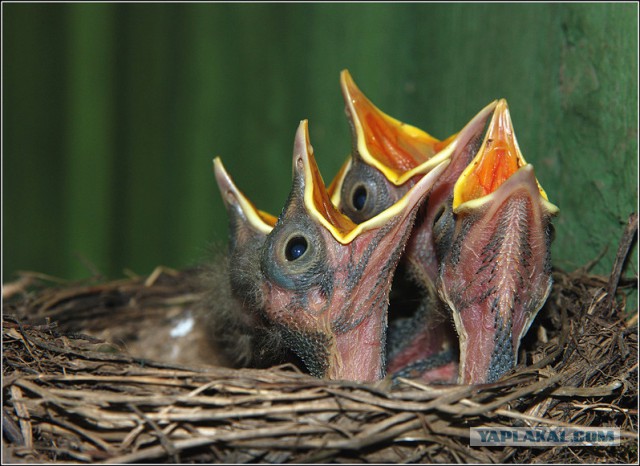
x=497 y=160
x=322 y=203
x=396 y=145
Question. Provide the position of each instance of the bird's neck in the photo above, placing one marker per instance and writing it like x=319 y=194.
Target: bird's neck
x=359 y=354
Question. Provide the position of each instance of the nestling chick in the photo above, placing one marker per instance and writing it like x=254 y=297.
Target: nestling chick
x=494 y=249
x=232 y=298
x=319 y=279
x=387 y=158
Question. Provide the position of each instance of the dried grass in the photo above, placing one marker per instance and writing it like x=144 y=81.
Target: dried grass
x=74 y=397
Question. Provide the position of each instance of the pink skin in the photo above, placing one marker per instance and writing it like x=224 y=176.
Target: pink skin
x=353 y=317
x=443 y=374
x=354 y=320
x=420 y=251
x=348 y=314
x=421 y=247
x=498 y=275
x=424 y=344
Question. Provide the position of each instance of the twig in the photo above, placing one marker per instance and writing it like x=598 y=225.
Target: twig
x=164 y=441
x=24 y=417
x=629 y=235
x=584 y=392
x=11 y=429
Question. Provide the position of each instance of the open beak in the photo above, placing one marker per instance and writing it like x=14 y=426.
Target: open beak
x=437 y=216
x=496 y=274
x=387 y=158
x=245 y=218
x=430 y=335
x=248 y=230
x=327 y=279
x=380 y=141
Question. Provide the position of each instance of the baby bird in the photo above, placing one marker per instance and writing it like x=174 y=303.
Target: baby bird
x=494 y=249
x=314 y=277
x=240 y=334
x=387 y=158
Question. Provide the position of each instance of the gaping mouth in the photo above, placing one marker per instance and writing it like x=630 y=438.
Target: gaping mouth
x=234 y=199
x=495 y=277
x=391 y=146
x=321 y=208
x=497 y=160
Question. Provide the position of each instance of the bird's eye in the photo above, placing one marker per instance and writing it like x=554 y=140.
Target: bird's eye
x=295 y=248
x=364 y=193
x=359 y=197
x=294 y=253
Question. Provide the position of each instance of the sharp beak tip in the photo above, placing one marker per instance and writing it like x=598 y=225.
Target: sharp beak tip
x=302 y=149
x=222 y=177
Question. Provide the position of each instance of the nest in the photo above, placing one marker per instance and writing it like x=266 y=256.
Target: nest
x=77 y=388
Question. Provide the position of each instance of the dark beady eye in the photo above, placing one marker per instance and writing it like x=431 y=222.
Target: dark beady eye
x=295 y=248
x=364 y=193
x=359 y=198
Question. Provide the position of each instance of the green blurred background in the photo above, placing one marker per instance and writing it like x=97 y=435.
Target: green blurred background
x=112 y=114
